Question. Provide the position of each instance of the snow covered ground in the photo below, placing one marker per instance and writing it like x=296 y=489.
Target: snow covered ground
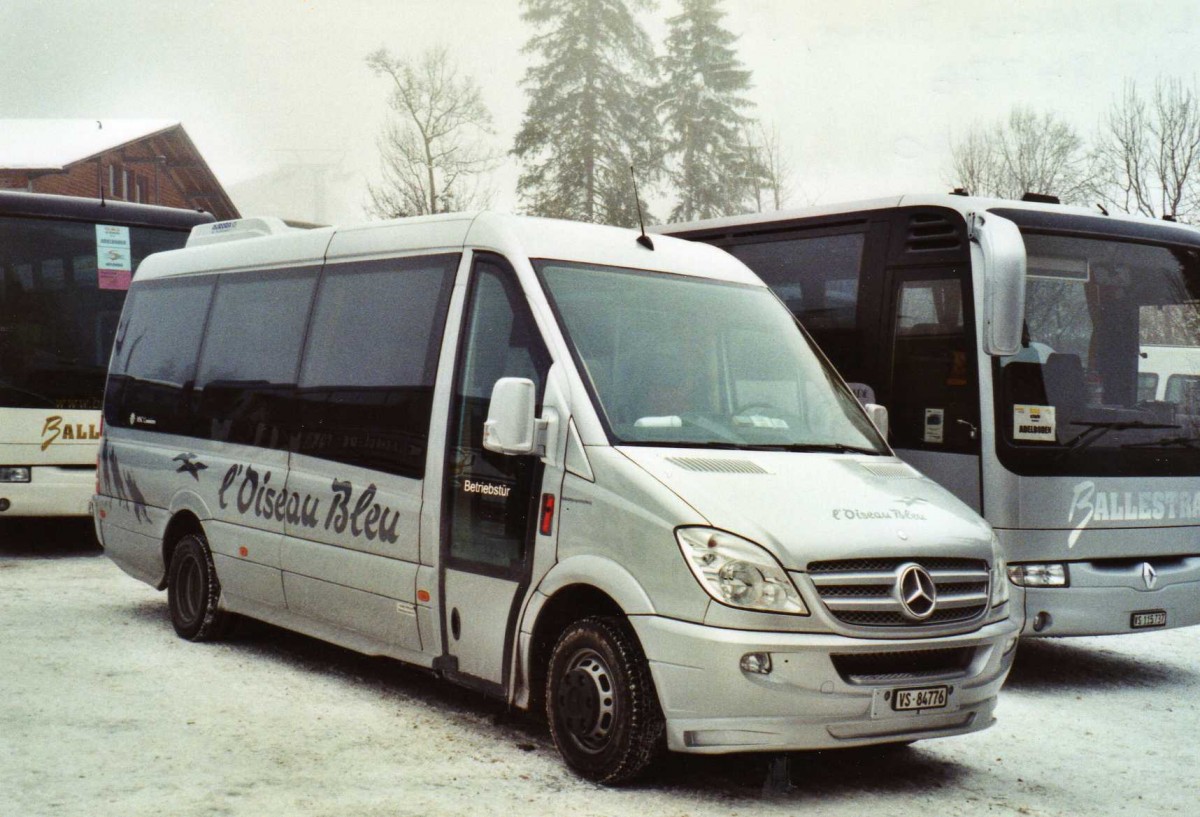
x=103 y=711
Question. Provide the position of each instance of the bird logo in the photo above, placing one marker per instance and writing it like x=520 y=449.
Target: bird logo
x=189 y=465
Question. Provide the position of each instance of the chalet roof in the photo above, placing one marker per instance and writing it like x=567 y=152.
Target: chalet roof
x=53 y=145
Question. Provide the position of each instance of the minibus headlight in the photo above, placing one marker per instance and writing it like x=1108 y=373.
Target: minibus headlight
x=1000 y=588
x=737 y=572
x=1039 y=575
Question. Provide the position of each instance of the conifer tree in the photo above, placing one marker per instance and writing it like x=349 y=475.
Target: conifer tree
x=702 y=105
x=590 y=114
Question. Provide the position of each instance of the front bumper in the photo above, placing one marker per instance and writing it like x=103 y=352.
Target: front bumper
x=1102 y=599
x=712 y=706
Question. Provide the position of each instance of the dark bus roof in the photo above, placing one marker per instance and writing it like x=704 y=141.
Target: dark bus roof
x=70 y=208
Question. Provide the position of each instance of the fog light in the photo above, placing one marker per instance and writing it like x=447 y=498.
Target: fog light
x=756 y=662
x=14 y=473
x=1041 y=621
x=1039 y=575
x=4 y=505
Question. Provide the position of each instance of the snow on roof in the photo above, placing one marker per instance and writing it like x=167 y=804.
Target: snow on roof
x=52 y=144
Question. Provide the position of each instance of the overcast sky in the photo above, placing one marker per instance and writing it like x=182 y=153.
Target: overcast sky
x=866 y=93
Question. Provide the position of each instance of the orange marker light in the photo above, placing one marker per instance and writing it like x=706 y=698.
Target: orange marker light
x=422 y=595
x=243 y=551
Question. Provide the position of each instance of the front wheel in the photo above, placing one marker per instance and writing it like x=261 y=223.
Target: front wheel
x=600 y=702
x=193 y=592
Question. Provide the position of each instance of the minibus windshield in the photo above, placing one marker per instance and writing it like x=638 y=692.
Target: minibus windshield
x=1106 y=322
x=676 y=360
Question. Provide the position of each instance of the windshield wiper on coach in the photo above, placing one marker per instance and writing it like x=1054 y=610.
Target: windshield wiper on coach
x=1095 y=429
x=1167 y=442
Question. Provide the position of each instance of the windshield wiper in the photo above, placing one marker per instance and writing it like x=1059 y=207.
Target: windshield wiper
x=834 y=448
x=1168 y=442
x=1095 y=429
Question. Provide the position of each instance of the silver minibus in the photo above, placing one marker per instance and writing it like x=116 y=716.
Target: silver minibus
x=604 y=478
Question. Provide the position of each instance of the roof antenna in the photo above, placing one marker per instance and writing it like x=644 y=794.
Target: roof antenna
x=642 y=239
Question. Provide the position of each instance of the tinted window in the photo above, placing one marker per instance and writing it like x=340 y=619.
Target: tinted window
x=154 y=354
x=57 y=318
x=489 y=493
x=247 y=369
x=366 y=386
x=934 y=402
x=816 y=277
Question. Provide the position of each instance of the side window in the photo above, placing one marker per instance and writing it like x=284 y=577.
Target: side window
x=247 y=368
x=933 y=384
x=490 y=493
x=366 y=386
x=154 y=355
x=817 y=277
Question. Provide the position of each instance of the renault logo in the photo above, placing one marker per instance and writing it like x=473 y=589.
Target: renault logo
x=1149 y=575
x=915 y=591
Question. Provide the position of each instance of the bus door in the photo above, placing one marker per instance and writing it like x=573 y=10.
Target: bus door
x=932 y=379
x=491 y=499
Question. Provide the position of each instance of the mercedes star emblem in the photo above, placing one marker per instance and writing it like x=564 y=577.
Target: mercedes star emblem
x=915 y=591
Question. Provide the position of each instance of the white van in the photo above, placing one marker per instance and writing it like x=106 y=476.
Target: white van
x=1170 y=374
x=550 y=463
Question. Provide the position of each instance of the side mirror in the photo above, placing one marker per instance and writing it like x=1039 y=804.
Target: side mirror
x=511 y=427
x=1003 y=281
x=879 y=417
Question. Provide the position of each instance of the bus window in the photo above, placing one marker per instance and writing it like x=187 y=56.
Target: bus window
x=933 y=396
x=817 y=277
x=366 y=386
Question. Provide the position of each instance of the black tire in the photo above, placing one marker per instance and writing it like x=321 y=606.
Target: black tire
x=601 y=704
x=193 y=591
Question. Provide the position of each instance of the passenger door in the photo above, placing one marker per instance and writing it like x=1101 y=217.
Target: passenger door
x=933 y=391
x=490 y=498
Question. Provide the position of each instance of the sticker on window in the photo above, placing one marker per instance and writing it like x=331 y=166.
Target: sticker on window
x=1033 y=423
x=934 y=425
x=863 y=392
x=114 y=262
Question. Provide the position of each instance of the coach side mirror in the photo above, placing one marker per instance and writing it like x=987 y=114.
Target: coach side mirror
x=879 y=417
x=1003 y=252
x=510 y=427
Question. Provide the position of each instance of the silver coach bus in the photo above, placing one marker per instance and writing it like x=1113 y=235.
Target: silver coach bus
x=1006 y=340
x=550 y=463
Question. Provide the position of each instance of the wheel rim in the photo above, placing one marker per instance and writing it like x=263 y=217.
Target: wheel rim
x=586 y=701
x=190 y=581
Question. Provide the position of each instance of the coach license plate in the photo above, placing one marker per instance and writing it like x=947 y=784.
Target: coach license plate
x=1148 y=618
x=907 y=700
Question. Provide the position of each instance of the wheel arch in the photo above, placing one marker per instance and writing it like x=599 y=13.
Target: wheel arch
x=182 y=523
x=576 y=588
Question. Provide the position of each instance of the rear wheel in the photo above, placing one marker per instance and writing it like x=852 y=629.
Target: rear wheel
x=193 y=591
x=600 y=702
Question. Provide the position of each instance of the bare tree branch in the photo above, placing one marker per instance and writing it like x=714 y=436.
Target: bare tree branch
x=1149 y=151
x=1025 y=153
x=434 y=150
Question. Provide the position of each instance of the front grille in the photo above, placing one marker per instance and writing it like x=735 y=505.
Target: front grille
x=898 y=667
x=862 y=592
